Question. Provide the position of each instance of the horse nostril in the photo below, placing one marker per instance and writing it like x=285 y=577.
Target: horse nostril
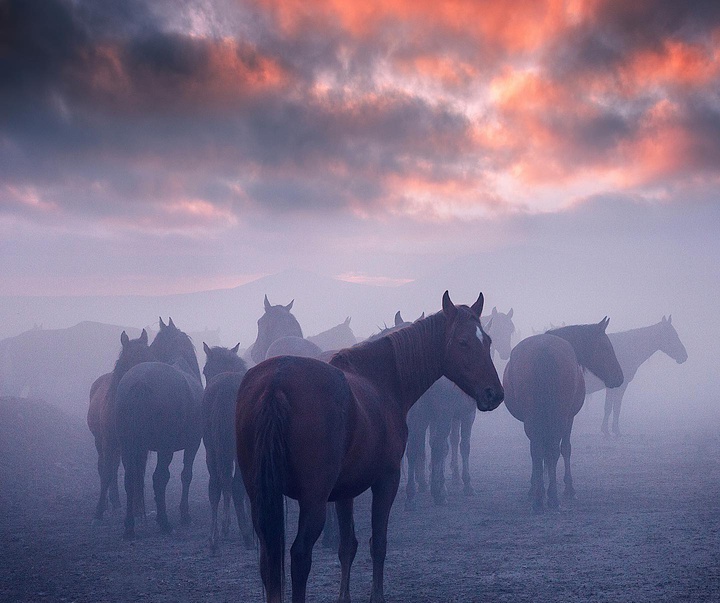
x=491 y=395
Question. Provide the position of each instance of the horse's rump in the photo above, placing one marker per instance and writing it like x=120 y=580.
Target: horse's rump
x=306 y=401
x=543 y=380
x=158 y=407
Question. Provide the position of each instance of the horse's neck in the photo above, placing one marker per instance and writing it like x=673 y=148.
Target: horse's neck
x=418 y=356
x=636 y=346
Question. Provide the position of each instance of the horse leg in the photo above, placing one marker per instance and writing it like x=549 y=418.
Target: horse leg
x=104 y=482
x=186 y=477
x=608 y=410
x=214 y=491
x=616 y=395
x=238 y=494
x=348 y=545
x=552 y=454
x=466 y=429
x=161 y=476
x=226 y=487
x=565 y=450
x=454 y=446
x=115 y=466
x=383 y=495
x=438 y=454
x=330 y=531
x=134 y=464
x=537 y=487
x=412 y=452
x=310 y=524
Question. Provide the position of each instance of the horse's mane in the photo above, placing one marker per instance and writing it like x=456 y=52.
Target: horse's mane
x=171 y=343
x=581 y=338
x=415 y=349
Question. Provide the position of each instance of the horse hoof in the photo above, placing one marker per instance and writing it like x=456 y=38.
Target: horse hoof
x=422 y=487
x=186 y=521
x=129 y=535
x=410 y=504
x=569 y=493
x=440 y=501
x=469 y=491
x=165 y=527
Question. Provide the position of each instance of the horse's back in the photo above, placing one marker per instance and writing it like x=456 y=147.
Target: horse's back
x=293 y=346
x=98 y=415
x=159 y=404
x=543 y=376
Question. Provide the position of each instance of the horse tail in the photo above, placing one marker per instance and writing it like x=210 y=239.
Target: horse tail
x=270 y=476
x=130 y=442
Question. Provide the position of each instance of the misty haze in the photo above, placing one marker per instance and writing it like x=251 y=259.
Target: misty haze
x=211 y=167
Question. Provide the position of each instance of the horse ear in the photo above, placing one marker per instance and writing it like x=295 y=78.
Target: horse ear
x=236 y=348
x=267 y=303
x=478 y=305
x=171 y=324
x=144 y=336
x=206 y=348
x=604 y=323
x=162 y=324
x=422 y=316
x=494 y=311
x=398 y=319
x=669 y=319
x=510 y=313
x=347 y=320
x=290 y=305
x=448 y=307
x=124 y=339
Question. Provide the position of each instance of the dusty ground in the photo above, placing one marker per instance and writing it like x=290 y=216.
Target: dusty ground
x=644 y=527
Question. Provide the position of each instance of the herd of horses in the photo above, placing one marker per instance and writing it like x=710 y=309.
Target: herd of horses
x=321 y=420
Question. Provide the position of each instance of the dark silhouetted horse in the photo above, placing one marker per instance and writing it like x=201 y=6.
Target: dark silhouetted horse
x=545 y=389
x=159 y=407
x=276 y=322
x=632 y=349
x=316 y=432
x=101 y=418
x=447 y=414
x=224 y=371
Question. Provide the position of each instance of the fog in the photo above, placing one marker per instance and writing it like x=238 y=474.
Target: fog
x=572 y=268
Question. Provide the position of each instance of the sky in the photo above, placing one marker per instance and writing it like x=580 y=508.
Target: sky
x=168 y=147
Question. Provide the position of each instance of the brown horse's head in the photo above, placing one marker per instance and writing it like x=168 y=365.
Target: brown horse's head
x=134 y=351
x=594 y=351
x=277 y=322
x=467 y=360
x=222 y=360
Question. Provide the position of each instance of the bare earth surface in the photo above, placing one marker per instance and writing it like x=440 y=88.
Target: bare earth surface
x=645 y=525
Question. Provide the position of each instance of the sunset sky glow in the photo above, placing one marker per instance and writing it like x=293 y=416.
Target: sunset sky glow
x=157 y=147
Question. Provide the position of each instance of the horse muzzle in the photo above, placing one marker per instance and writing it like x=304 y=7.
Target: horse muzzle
x=490 y=398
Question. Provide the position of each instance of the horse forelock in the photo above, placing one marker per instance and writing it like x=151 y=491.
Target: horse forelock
x=418 y=352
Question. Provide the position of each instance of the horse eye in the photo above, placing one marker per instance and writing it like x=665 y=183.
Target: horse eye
x=463 y=343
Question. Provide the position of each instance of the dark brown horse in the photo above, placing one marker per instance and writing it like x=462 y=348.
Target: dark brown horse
x=447 y=415
x=317 y=432
x=632 y=349
x=545 y=389
x=159 y=407
x=101 y=418
x=276 y=322
x=224 y=371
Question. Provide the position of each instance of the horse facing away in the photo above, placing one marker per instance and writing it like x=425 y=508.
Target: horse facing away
x=101 y=419
x=224 y=371
x=159 y=407
x=317 y=432
x=632 y=349
x=545 y=389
